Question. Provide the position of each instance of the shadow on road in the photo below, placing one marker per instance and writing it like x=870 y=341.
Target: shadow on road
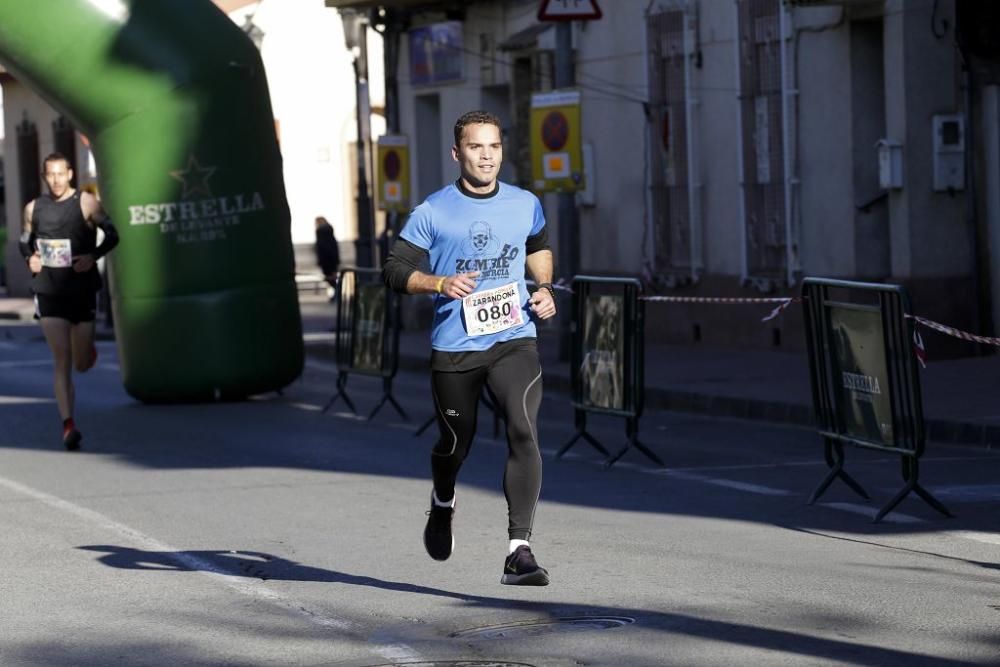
x=263 y=566
x=289 y=432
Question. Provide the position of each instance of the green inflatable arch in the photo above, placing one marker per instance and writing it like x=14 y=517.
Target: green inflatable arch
x=173 y=98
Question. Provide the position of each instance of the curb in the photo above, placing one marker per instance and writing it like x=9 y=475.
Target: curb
x=22 y=315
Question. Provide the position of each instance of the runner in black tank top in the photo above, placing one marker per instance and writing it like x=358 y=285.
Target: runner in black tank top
x=59 y=242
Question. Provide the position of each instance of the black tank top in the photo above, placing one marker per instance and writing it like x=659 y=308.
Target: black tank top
x=61 y=232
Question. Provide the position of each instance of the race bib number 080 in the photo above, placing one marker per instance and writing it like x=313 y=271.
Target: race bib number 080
x=493 y=311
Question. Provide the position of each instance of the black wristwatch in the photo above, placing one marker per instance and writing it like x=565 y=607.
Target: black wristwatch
x=550 y=288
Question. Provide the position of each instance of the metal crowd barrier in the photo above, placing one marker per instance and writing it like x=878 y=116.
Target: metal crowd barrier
x=368 y=322
x=607 y=359
x=865 y=383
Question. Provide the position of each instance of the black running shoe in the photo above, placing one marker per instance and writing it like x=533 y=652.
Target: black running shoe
x=438 y=539
x=520 y=569
x=71 y=439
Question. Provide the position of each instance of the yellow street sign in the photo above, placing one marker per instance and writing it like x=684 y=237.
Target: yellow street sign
x=392 y=191
x=556 y=144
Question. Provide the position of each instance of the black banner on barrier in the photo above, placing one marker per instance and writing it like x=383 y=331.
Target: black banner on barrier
x=863 y=400
x=369 y=327
x=602 y=370
x=368 y=318
x=865 y=382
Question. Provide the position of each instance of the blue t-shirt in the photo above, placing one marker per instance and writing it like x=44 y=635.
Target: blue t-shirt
x=488 y=235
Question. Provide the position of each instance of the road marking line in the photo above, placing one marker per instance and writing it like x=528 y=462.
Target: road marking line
x=751 y=488
x=967 y=492
x=685 y=474
x=870 y=512
x=975 y=536
x=314 y=336
x=24 y=400
x=759 y=489
x=239 y=584
x=820 y=462
x=307 y=406
x=31 y=362
x=315 y=407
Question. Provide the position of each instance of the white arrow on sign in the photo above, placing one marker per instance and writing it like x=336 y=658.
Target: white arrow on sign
x=569 y=10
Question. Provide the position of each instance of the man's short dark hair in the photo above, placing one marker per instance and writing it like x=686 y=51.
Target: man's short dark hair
x=474 y=118
x=55 y=157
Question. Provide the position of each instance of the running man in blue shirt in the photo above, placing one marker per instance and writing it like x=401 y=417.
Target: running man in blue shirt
x=480 y=236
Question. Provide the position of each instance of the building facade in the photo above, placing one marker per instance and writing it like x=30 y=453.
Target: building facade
x=736 y=144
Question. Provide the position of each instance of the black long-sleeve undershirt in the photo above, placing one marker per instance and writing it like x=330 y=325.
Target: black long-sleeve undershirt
x=406 y=257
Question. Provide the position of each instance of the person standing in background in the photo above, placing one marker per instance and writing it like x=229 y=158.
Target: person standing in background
x=327 y=253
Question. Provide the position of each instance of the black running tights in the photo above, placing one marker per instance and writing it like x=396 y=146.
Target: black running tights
x=514 y=376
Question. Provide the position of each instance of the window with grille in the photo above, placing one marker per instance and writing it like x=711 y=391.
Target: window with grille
x=532 y=72
x=761 y=104
x=669 y=155
x=28 y=161
x=64 y=141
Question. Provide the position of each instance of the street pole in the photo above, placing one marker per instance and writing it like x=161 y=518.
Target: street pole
x=568 y=264
x=366 y=220
x=390 y=52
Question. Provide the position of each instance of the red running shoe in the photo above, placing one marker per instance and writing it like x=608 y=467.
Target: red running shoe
x=71 y=437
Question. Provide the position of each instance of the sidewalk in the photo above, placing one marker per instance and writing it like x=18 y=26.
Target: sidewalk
x=961 y=396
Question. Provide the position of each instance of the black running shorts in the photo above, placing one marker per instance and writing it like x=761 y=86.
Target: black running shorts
x=76 y=308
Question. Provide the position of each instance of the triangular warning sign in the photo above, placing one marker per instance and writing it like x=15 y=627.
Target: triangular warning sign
x=569 y=10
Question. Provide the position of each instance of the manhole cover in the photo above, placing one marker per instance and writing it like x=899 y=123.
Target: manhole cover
x=542 y=626
x=456 y=663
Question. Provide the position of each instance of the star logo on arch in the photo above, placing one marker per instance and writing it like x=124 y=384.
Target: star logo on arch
x=194 y=178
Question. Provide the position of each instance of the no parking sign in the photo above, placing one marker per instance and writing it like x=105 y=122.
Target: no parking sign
x=556 y=155
x=393 y=191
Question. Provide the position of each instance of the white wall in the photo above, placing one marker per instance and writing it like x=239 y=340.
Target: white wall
x=716 y=85
x=929 y=234
x=311 y=78
x=825 y=144
x=611 y=76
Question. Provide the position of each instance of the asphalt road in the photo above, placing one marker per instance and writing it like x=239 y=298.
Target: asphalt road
x=266 y=532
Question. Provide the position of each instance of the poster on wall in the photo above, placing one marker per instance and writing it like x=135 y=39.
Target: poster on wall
x=861 y=383
x=369 y=327
x=602 y=370
x=436 y=53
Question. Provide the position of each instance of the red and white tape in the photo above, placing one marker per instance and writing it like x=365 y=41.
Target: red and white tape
x=783 y=302
x=956 y=333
